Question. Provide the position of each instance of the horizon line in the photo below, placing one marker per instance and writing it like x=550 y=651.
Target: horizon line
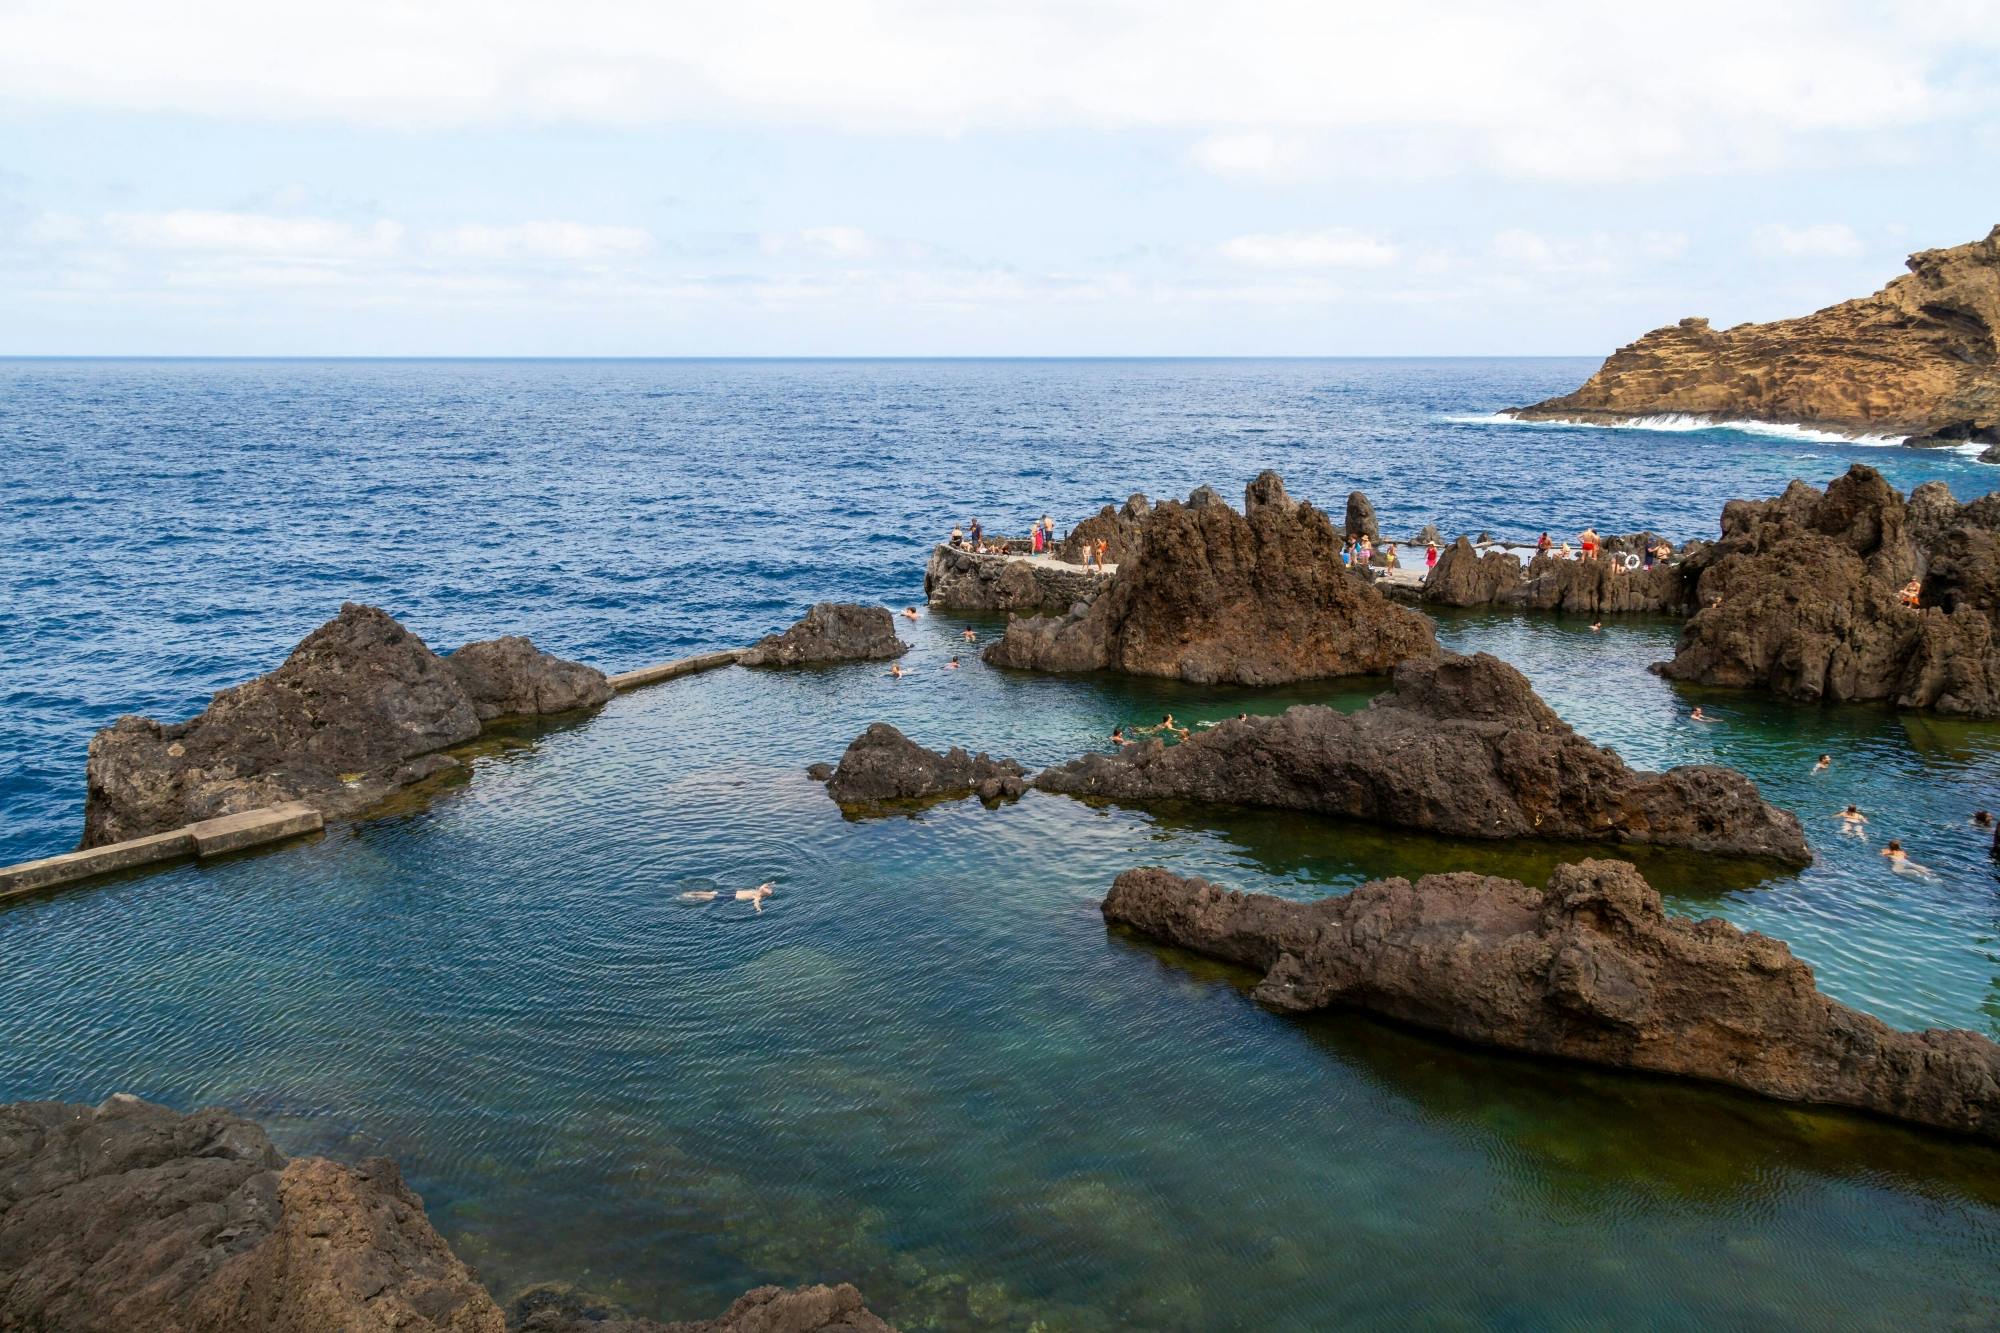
x=808 y=356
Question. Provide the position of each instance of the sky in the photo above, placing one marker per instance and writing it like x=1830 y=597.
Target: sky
x=1090 y=177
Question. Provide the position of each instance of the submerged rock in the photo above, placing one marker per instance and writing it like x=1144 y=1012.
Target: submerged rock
x=1590 y=969
x=1457 y=745
x=1802 y=597
x=1921 y=358
x=130 y=1216
x=510 y=677
x=359 y=709
x=1216 y=596
x=555 y=1308
x=830 y=632
x=882 y=764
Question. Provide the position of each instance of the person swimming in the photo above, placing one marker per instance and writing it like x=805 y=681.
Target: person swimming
x=1698 y=716
x=896 y=670
x=1825 y=762
x=1901 y=864
x=1171 y=727
x=1853 y=822
x=909 y=613
x=1118 y=736
x=951 y=665
x=699 y=896
x=1982 y=819
x=757 y=895
x=969 y=636
x=1596 y=625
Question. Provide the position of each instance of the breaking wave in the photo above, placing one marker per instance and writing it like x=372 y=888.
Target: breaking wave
x=1684 y=422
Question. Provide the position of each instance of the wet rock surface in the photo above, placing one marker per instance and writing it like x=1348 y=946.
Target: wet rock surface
x=553 y=1308
x=960 y=580
x=359 y=709
x=1215 y=596
x=882 y=764
x=510 y=677
x=129 y=1216
x=1920 y=358
x=1592 y=968
x=830 y=632
x=1801 y=596
x=1458 y=745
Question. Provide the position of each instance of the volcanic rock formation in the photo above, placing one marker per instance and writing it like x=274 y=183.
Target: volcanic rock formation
x=1216 y=596
x=359 y=708
x=1457 y=745
x=1464 y=576
x=957 y=579
x=882 y=764
x=1118 y=529
x=130 y=1216
x=1919 y=358
x=830 y=632
x=1360 y=518
x=1802 y=597
x=1592 y=968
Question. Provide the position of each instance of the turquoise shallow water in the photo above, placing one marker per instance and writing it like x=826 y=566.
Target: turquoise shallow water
x=927 y=1067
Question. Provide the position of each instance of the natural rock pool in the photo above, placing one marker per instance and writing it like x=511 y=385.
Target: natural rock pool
x=927 y=1067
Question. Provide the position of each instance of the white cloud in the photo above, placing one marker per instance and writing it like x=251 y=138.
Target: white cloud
x=821 y=242
x=1336 y=247
x=252 y=233
x=1263 y=89
x=1820 y=240
x=575 y=241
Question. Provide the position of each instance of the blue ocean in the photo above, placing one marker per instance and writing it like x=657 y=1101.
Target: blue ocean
x=926 y=1067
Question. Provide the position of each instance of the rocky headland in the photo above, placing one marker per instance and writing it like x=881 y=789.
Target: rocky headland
x=882 y=764
x=1803 y=596
x=829 y=632
x=1591 y=968
x=1919 y=358
x=360 y=708
x=129 y=1216
x=1214 y=596
x=1466 y=576
x=1118 y=528
x=1459 y=746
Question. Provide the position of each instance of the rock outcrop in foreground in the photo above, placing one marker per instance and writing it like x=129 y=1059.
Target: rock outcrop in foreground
x=130 y=1216
x=882 y=764
x=1590 y=969
x=1119 y=529
x=830 y=632
x=1457 y=745
x=957 y=579
x=360 y=708
x=1214 y=596
x=1802 y=597
x=1919 y=358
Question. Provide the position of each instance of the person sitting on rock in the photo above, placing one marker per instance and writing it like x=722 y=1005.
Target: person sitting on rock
x=1563 y=553
x=957 y=535
x=1912 y=593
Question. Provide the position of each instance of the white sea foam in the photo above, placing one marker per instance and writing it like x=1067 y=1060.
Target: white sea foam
x=1684 y=423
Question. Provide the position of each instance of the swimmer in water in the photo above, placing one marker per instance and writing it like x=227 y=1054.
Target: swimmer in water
x=1900 y=862
x=1118 y=736
x=951 y=665
x=1852 y=821
x=1240 y=717
x=1825 y=762
x=969 y=636
x=909 y=613
x=1171 y=727
x=1698 y=716
x=1981 y=819
x=1596 y=625
x=698 y=896
x=757 y=895
x=896 y=670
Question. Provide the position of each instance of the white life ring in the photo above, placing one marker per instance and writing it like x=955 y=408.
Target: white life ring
x=1629 y=560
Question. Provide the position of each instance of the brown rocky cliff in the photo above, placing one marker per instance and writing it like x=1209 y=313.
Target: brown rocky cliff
x=1919 y=358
